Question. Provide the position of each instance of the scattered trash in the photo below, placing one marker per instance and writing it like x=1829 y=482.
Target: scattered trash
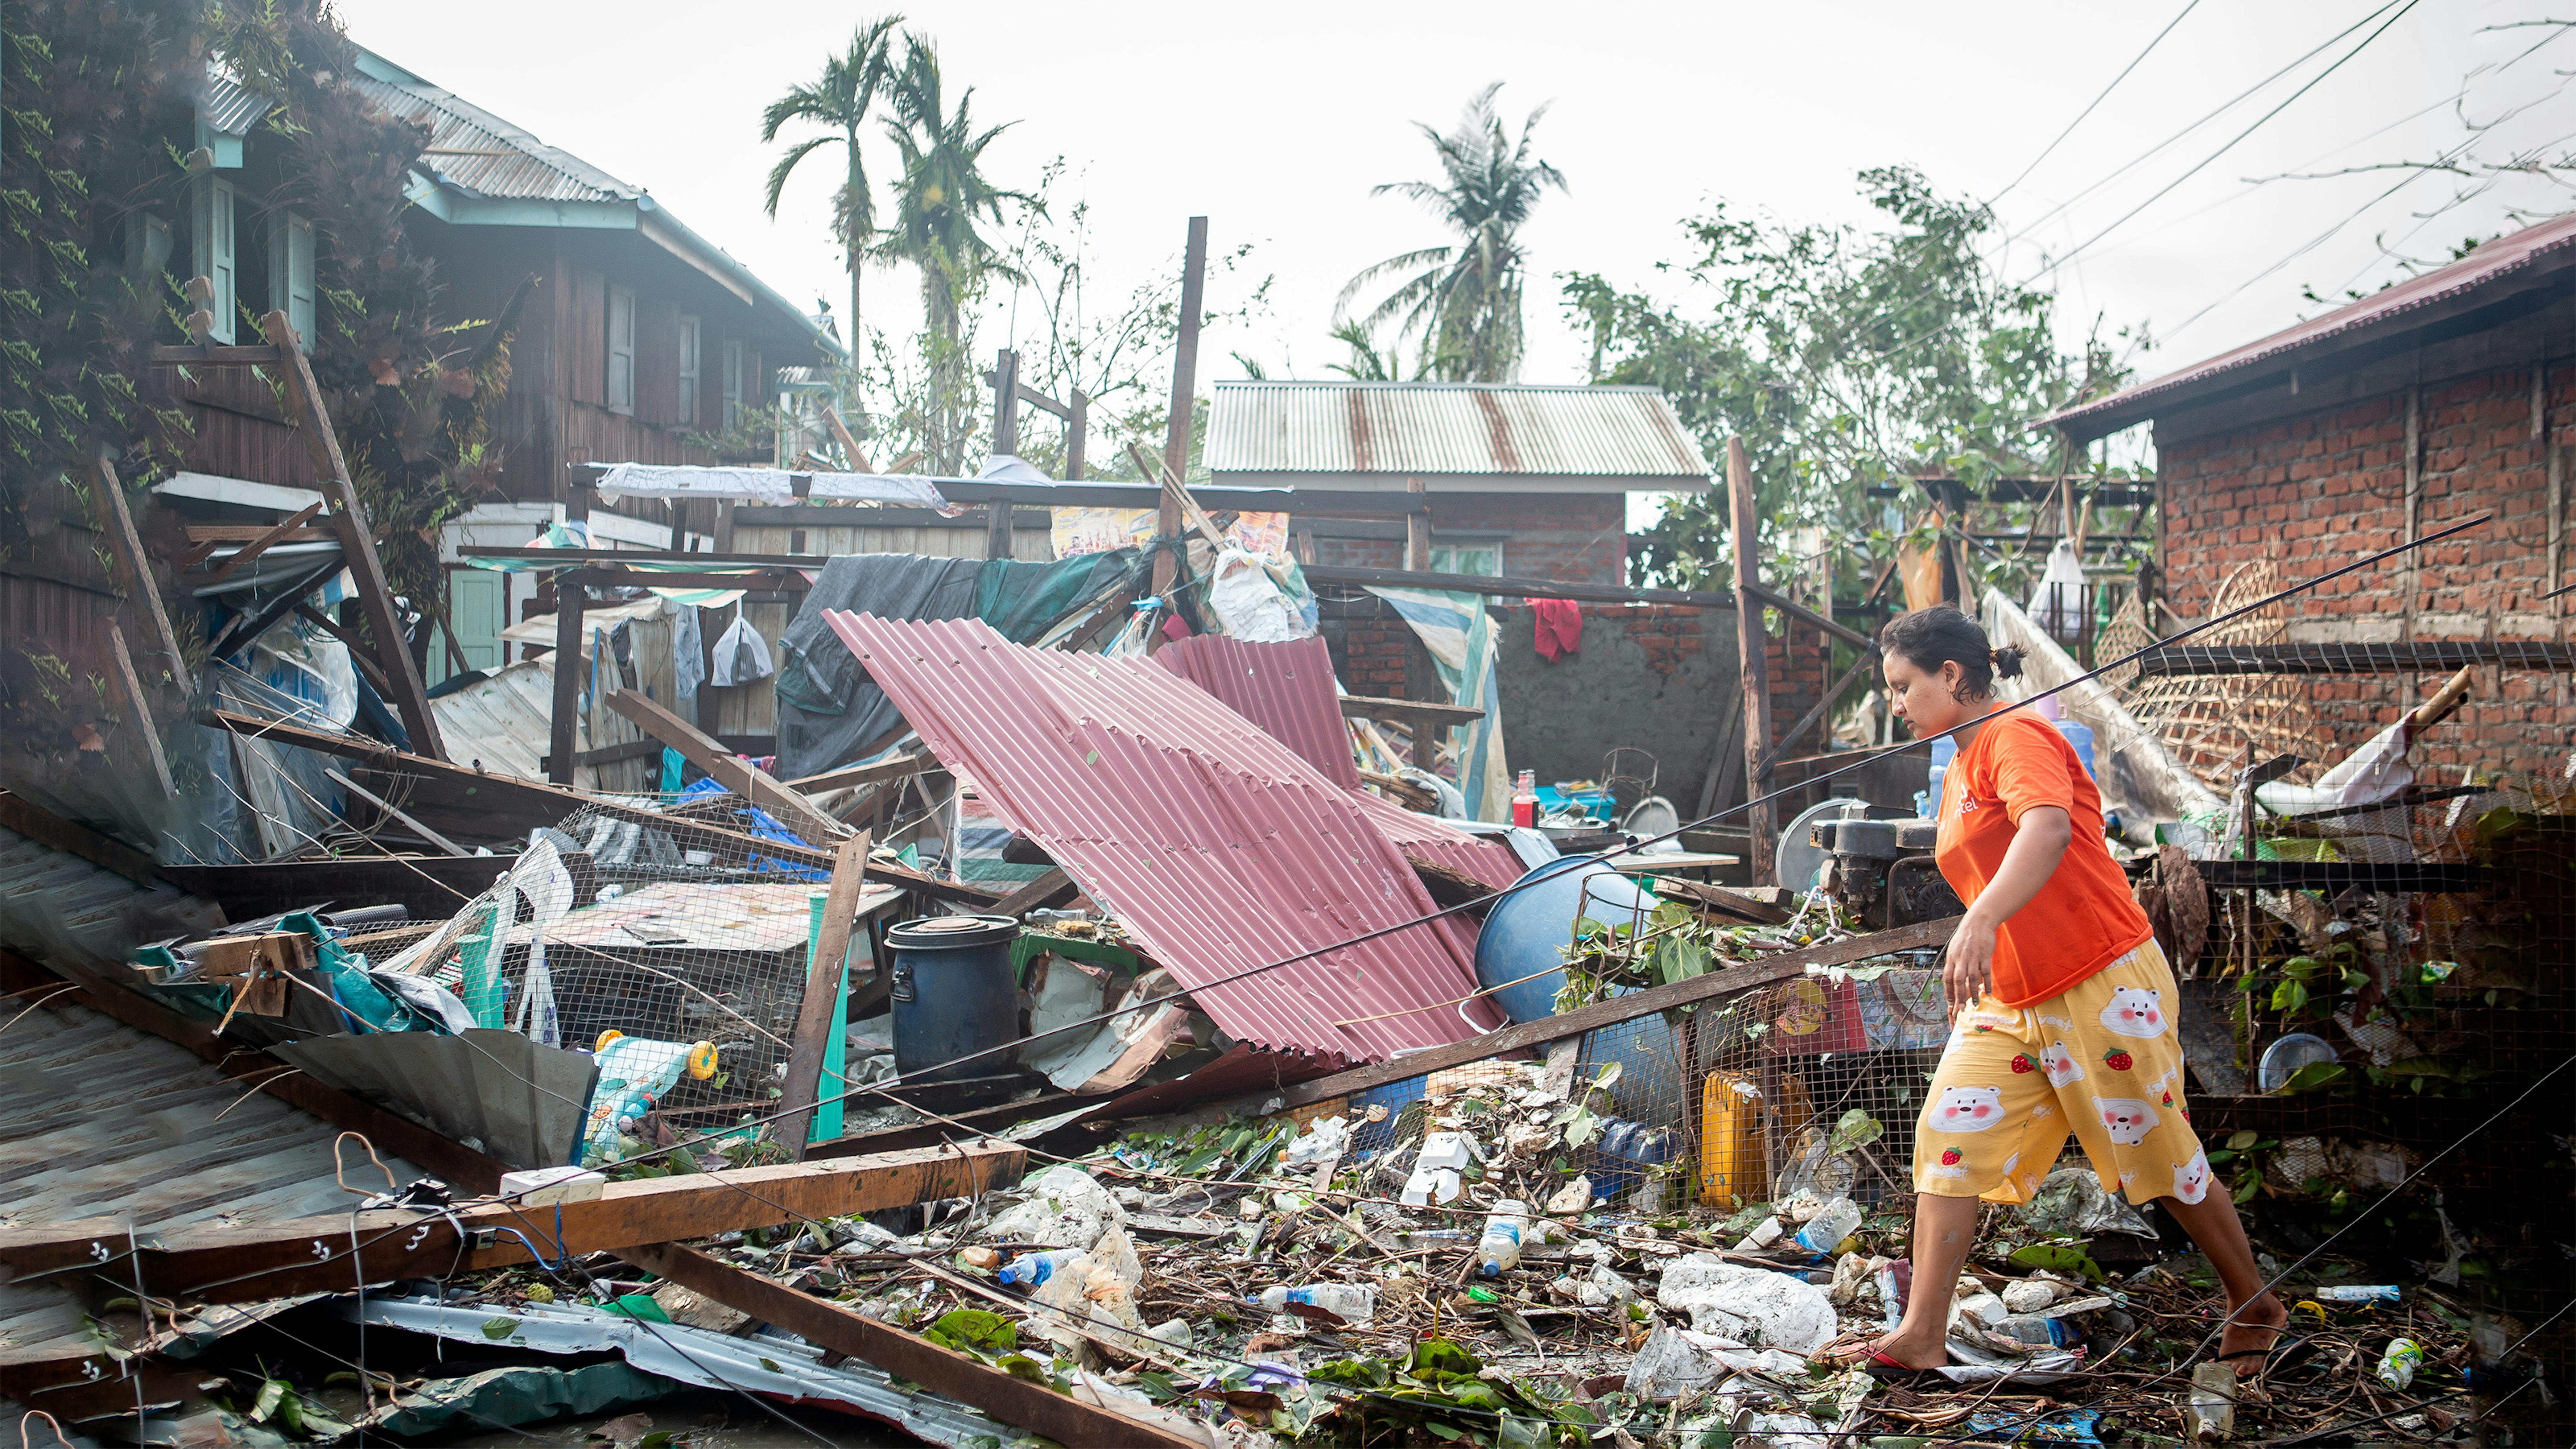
x=2397 y=1366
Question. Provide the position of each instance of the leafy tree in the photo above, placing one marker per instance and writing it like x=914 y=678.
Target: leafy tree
x=842 y=99
x=1464 y=300
x=1845 y=360
x=938 y=202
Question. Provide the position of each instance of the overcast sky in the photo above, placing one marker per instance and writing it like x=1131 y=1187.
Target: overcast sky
x=1275 y=120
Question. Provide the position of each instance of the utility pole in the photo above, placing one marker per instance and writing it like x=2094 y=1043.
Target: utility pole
x=1185 y=362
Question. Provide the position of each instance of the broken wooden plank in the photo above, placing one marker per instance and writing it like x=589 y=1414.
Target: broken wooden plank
x=234 y=1263
x=170 y=354
x=462 y=1166
x=817 y=1014
x=1722 y=900
x=855 y=775
x=1364 y=706
x=269 y=538
x=1051 y=889
x=357 y=545
x=1020 y=1403
x=709 y=754
x=387 y=806
x=136 y=566
x=141 y=704
x=1734 y=979
x=571 y=657
x=48 y=829
x=357 y=647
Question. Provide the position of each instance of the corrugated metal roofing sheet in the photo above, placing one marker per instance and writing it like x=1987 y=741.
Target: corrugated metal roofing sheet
x=1286 y=689
x=228 y=107
x=2497 y=260
x=1218 y=847
x=1628 y=433
x=481 y=154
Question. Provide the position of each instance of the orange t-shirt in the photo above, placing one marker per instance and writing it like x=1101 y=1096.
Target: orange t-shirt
x=2084 y=918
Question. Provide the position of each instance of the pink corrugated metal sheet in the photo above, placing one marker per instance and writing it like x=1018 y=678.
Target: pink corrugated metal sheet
x=1219 y=849
x=2503 y=258
x=1286 y=689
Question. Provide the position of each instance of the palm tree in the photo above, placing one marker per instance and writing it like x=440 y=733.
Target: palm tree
x=1465 y=300
x=841 y=100
x=938 y=203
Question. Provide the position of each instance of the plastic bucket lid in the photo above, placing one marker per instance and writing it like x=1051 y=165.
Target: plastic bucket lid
x=952 y=933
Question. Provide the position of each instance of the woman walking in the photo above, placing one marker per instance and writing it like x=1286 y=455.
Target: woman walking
x=2061 y=1004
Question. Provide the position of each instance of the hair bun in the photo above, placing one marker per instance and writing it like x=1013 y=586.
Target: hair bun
x=2008 y=660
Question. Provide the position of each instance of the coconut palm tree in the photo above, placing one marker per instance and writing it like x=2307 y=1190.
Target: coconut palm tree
x=842 y=100
x=1464 y=300
x=942 y=197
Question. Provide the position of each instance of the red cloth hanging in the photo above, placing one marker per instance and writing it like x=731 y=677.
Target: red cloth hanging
x=1560 y=627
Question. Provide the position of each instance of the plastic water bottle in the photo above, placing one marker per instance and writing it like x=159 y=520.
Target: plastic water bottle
x=2038 y=1329
x=1028 y=1270
x=1499 y=1250
x=1353 y=1303
x=1826 y=1230
x=1942 y=751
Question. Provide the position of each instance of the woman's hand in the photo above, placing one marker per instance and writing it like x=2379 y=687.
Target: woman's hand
x=1968 y=971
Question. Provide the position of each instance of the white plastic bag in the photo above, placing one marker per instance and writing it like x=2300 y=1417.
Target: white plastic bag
x=2057 y=602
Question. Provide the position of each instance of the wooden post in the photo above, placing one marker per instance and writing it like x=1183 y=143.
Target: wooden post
x=137 y=567
x=679 y=525
x=1185 y=361
x=1074 y=429
x=1006 y=439
x=141 y=704
x=1417 y=528
x=356 y=542
x=1752 y=666
x=823 y=984
x=2414 y=500
x=709 y=754
x=572 y=655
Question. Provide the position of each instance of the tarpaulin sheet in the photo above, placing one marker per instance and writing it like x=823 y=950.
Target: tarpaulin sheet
x=1216 y=846
x=828 y=711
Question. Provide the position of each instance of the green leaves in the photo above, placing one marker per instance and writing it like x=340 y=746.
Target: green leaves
x=972 y=1329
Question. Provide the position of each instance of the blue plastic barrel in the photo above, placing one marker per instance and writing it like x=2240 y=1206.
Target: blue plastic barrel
x=954 y=995
x=1526 y=931
x=2079 y=737
x=1371 y=1136
x=1624 y=1152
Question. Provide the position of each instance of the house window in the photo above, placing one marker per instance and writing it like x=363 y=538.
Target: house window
x=290 y=272
x=213 y=253
x=735 y=365
x=687 y=413
x=621 y=350
x=1484 y=560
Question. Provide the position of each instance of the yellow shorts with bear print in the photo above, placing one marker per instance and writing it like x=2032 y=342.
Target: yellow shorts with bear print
x=2102 y=1060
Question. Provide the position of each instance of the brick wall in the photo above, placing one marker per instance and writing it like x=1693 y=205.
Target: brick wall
x=2316 y=492
x=1579 y=537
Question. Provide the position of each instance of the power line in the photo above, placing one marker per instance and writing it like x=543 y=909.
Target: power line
x=2051 y=147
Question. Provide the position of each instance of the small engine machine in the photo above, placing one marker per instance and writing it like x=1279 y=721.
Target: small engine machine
x=1881 y=871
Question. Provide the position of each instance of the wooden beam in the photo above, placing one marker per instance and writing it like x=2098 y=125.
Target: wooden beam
x=573 y=557
x=247 y=1262
x=1024 y=1404
x=1417 y=530
x=1369 y=706
x=387 y=806
x=1809 y=617
x=268 y=538
x=141 y=704
x=817 y=1015
x=1176 y=429
x=136 y=567
x=177 y=355
x=459 y=1165
x=357 y=545
x=1808 y=720
x=894 y=769
x=572 y=656
x=48 y=829
x=614 y=754
x=1721 y=900
x=707 y=753
x=1514 y=588
x=850 y=453
x=1752 y=659
x=1763 y=972
x=1051 y=889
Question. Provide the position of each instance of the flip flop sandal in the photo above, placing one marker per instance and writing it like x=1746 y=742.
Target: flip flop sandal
x=1894 y=1371
x=2284 y=1348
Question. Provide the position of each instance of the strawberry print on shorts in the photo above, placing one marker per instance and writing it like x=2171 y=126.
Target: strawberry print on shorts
x=2102 y=1061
